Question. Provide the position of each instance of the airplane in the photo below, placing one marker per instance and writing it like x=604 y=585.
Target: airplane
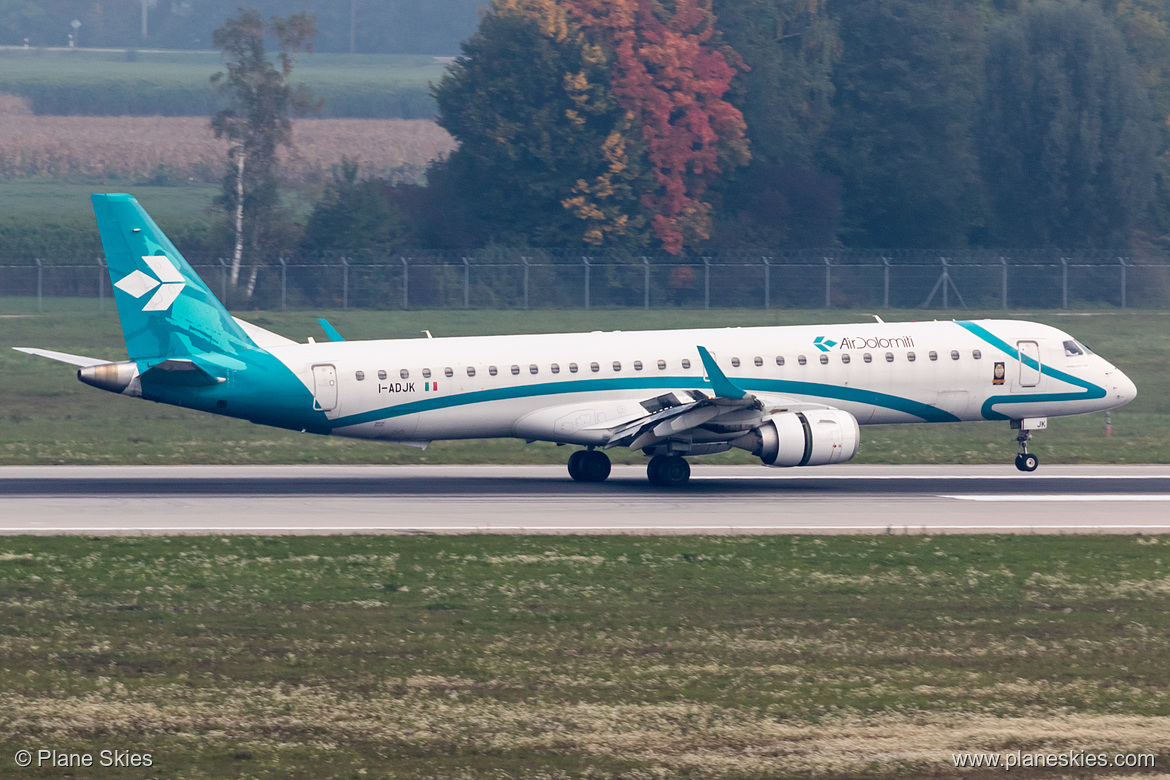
x=791 y=395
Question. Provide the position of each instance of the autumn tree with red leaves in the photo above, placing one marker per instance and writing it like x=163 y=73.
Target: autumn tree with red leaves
x=672 y=79
x=611 y=114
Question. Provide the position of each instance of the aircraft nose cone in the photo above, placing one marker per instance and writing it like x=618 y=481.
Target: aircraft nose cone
x=1124 y=390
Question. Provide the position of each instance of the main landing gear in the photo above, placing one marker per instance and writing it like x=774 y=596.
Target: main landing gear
x=1027 y=461
x=668 y=470
x=589 y=466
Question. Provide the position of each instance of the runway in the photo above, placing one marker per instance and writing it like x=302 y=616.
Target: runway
x=126 y=500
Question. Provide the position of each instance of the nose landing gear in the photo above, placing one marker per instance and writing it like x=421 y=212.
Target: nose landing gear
x=1027 y=461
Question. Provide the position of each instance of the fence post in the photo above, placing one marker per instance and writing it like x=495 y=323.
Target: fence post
x=525 y=261
x=101 y=285
x=706 y=283
x=886 y=283
x=646 y=291
x=1064 y=282
x=283 y=283
x=828 y=283
x=40 y=287
x=344 y=283
x=946 y=283
x=1004 y=286
x=466 y=283
x=405 y=284
x=1123 y=285
x=223 y=282
x=588 y=265
x=767 y=282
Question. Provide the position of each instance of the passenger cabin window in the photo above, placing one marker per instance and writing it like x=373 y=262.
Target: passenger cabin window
x=977 y=355
x=686 y=363
x=617 y=366
x=360 y=375
x=735 y=362
x=759 y=361
x=1071 y=349
x=572 y=368
x=471 y=370
x=556 y=369
x=515 y=370
x=661 y=365
x=493 y=370
x=824 y=360
x=802 y=360
x=382 y=374
x=933 y=355
x=426 y=374
x=533 y=369
x=954 y=354
x=868 y=358
x=448 y=372
x=779 y=360
x=637 y=365
x=405 y=374
x=889 y=357
x=845 y=358
x=911 y=356
x=594 y=367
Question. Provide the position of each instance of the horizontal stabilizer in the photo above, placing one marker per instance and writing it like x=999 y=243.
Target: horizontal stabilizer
x=64 y=357
x=178 y=372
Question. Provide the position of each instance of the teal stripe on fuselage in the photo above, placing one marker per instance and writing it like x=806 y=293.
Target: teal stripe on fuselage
x=1091 y=391
x=829 y=392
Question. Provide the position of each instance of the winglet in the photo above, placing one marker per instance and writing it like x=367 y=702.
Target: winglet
x=330 y=331
x=723 y=387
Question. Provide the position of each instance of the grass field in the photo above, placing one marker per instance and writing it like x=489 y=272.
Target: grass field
x=638 y=658
x=113 y=83
x=51 y=418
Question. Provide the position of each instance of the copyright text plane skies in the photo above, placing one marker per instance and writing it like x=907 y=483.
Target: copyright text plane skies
x=793 y=396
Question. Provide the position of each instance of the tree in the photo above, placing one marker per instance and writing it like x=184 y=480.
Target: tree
x=906 y=90
x=1067 y=133
x=671 y=73
x=546 y=154
x=257 y=120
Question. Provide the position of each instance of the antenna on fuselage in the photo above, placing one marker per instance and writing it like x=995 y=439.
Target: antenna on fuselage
x=429 y=336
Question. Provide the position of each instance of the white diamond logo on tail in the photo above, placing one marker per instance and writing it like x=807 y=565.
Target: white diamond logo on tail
x=139 y=284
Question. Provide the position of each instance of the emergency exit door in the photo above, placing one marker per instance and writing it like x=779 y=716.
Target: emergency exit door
x=324 y=387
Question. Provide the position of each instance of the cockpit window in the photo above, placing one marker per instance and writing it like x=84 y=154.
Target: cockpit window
x=1072 y=349
x=1085 y=349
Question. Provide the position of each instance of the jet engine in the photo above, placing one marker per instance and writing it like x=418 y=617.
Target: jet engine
x=813 y=438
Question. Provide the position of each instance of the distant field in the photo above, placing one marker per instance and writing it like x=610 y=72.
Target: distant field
x=169 y=150
x=51 y=418
x=615 y=658
x=115 y=83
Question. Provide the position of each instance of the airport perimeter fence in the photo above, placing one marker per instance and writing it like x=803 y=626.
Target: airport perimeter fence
x=530 y=279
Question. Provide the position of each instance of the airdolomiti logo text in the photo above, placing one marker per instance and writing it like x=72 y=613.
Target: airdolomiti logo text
x=169 y=283
x=864 y=342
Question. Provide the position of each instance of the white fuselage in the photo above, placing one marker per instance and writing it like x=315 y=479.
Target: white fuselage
x=572 y=387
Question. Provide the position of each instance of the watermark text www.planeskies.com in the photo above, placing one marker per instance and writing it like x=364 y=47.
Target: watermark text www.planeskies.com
x=1069 y=759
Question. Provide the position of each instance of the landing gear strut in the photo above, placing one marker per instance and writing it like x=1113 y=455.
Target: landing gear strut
x=589 y=466
x=1026 y=461
x=668 y=470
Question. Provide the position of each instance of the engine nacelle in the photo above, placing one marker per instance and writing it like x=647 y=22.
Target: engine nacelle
x=813 y=438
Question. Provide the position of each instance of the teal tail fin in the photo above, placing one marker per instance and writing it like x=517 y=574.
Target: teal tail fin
x=165 y=308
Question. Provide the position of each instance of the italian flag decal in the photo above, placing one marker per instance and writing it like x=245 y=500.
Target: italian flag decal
x=429 y=386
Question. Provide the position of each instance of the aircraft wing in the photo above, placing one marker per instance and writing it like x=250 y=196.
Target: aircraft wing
x=64 y=357
x=729 y=408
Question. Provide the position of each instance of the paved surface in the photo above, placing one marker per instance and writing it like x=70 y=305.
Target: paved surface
x=541 y=499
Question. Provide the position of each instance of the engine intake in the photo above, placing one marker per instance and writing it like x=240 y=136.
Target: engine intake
x=814 y=438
